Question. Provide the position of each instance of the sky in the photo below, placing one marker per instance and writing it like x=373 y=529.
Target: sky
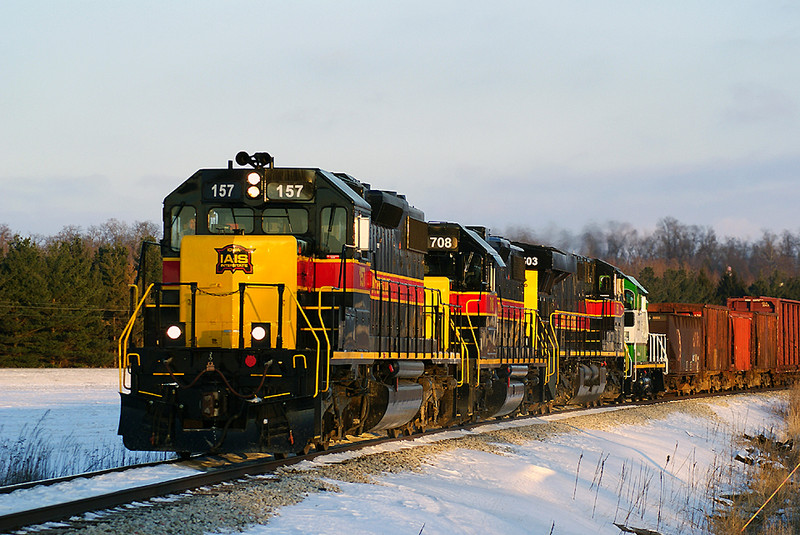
x=506 y=114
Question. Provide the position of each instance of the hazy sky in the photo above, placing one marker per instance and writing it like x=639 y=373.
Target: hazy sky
x=523 y=113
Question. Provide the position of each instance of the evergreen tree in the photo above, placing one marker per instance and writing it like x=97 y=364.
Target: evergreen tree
x=76 y=334
x=730 y=285
x=24 y=303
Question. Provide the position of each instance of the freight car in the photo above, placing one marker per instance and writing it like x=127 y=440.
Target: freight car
x=751 y=342
x=297 y=306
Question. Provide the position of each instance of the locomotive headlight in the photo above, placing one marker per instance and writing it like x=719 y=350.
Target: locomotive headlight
x=174 y=332
x=175 y=335
x=254 y=179
x=253 y=192
x=259 y=333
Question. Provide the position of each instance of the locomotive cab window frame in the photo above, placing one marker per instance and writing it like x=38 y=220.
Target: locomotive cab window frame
x=284 y=220
x=228 y=220
x=183 y=222
x=361 y=232
x=333 y=229
x=629 y=300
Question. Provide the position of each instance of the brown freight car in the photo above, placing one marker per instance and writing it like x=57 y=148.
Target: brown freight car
x=776 y=348
x=698 y=346
x=754 y=346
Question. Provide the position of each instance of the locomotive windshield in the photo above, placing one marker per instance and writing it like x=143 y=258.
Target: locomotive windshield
x=230 y=220
x=285 y=221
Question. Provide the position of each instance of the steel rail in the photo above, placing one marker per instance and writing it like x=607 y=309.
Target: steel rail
x=8 y=489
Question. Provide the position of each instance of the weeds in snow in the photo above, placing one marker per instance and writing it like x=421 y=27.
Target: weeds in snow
x=681 y=495
x=33 y=456
x=762 y=495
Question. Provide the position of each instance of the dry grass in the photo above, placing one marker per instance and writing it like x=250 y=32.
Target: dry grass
x=769 y=500
x=33 y=455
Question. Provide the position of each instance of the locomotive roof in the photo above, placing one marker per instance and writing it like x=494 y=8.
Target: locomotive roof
x=345 y=189
x=337 y=183
x=475 y=237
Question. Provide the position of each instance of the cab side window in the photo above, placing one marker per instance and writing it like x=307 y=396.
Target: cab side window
x=184 y=222
x=333 y=231
x=630 y=300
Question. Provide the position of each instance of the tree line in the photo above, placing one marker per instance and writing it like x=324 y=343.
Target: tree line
x=688 y=263
x=64 y=298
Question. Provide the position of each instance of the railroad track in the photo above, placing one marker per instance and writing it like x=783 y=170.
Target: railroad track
x=219 y=469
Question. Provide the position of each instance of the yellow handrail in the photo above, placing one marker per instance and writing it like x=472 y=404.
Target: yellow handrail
x=464 y=356
x=122 y=349
x=311 y=327
x=553 y=368
x=475 y=339
x=324 y=329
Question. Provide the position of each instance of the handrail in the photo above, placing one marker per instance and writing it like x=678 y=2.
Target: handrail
x=575 y=326
x=122 y=349
x=325 y=330
x=464 y=355
x=316 y=373
x=627 y=372
x=553 y=350
x=657 y=341
x=281 y=288
x=475 y=339
x=405 y=290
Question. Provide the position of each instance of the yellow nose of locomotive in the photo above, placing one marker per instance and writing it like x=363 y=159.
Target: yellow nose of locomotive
x=243 y=284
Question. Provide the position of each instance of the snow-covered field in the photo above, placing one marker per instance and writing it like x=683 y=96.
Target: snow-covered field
x=76 y=410
x=560 y=475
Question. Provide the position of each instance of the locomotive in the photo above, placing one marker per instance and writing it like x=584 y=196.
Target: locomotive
x=297 y=306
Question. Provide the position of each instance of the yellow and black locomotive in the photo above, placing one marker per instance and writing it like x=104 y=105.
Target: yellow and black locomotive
x=297 y=306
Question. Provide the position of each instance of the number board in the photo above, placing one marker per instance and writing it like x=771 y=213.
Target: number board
x=442 y=243
x=531 y=261
x=282 y=191
x=222 y=191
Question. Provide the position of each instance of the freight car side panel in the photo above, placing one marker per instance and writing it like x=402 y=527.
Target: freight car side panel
x=717 y=350
x=789 y=348
x=685 y=345
x=765 y=345
x=785 y=331
x=742 y=340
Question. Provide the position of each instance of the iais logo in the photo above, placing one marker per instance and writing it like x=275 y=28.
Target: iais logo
x=234 y=258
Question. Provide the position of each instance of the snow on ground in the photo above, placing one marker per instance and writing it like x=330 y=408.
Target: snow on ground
x=652 y=474
x=78 y=409
x=556 y=474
